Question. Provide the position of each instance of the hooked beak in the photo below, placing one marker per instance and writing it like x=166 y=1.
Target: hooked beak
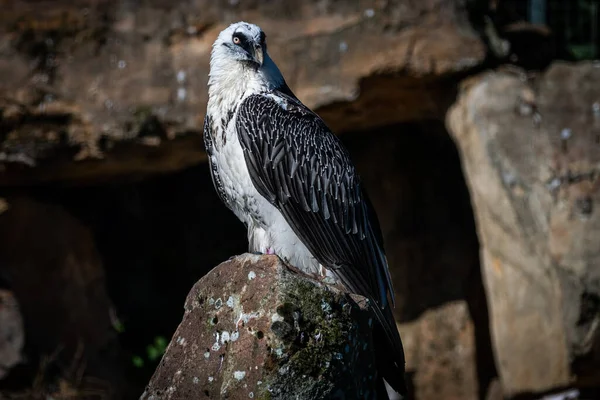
x=258 y=54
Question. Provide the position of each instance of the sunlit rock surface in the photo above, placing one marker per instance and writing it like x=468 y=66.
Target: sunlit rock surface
x=254 y=329
x=119 y=88
x=531 y=153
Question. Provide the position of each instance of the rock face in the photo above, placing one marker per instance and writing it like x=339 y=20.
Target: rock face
x=12 y=336
x=440 y=349
x=126 y=82
x=254 y=329
x=531 y=153
x=54 y=271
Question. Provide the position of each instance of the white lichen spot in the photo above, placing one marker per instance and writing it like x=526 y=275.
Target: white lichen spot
x=210 y=379
x=338 y=356
x=195 y=380
x=369 y=13
x=207 y=354
x=565 y=133
x=122 y=64
x=279 y=352
x=553 y=184
x=325 y=306
x=211 y=301
x=284 y=370
x=225 y=337
x=216 y=346
x=230 y=302
x=343 y=47
x=178 y=372
x=251 y=395
x=596 y=109
x=246 y=317
x=251 y=275
x=259 y=383
x=180 y=76
x=276 y=317
x=218 y=303
x=508 y=178
x=181 y=94
x=180 y=341
x=235 y=336
x=239 y=375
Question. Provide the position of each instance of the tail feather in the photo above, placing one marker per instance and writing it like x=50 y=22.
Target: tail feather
x=389 y=352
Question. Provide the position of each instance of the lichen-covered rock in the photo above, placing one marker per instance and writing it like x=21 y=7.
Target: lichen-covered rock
x=531 y=154
x=254 y=329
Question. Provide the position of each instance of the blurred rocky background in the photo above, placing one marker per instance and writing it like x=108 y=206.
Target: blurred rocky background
x=474 y=123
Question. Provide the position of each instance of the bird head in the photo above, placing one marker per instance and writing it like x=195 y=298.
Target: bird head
x=241 y=42
x=240 y=64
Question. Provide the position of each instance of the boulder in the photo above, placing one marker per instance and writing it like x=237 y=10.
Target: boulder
x=530 y=150
x=440 y=352
x=120 y=89
x=50 y=262
x=12 y=336
x=252 y=328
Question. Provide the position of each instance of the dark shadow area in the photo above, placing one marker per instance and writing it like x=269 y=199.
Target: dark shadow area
x=154 y=240
x=413 y=175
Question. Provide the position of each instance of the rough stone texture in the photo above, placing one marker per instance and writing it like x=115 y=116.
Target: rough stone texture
x=49 y=260
x=126 y=81
x=12 y=336
x=531 y=154
x=440 y=349
x=254 y=329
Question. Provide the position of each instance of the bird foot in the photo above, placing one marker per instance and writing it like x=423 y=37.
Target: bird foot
x=269 y=251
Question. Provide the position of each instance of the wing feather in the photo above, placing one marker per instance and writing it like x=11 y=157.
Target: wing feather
x=303 y=169
x=299 y=166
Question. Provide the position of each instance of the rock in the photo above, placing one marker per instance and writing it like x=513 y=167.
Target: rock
x=440 y=351
x=121 y=90
x=254 y=329
x=531 y=154
x=49 y=260
x=12 y=336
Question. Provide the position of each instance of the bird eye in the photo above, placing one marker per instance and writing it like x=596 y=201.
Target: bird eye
x=237 y=40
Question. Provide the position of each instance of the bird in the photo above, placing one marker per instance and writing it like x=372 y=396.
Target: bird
x=279 y=168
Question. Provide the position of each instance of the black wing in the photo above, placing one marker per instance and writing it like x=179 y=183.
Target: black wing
x=302 y=168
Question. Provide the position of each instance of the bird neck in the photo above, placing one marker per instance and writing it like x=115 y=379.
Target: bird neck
x=230 y=83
